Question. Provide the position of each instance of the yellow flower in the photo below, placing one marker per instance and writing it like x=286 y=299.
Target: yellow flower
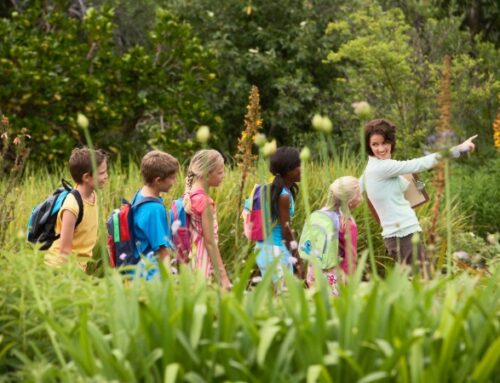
x=496 y=131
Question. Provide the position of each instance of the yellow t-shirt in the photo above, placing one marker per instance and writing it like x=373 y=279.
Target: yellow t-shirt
x=85 y=236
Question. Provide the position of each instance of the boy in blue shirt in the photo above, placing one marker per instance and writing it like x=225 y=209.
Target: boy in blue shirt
x=151 y=231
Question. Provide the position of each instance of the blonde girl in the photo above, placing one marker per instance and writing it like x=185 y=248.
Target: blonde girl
x=206 y=169
x=344 y=195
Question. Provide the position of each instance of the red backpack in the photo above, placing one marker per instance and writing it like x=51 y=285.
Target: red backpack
x=120 y=241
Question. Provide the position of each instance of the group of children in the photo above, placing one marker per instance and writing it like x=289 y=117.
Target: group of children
x=152 y=231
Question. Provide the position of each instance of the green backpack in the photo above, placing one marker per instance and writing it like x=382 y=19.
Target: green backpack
x=320 y=238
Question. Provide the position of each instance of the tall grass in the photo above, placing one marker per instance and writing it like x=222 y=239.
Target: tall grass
x=125 y=181
x=62 y=325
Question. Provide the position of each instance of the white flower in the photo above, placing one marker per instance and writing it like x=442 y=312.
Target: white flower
x=269 y=148
x=82 y=121
x=203 y=134
x=303 y=24
x=293 y=245
x=175 y=226
x=362 y=109
x=305 y=154
x=254 y=51
x=210 y=14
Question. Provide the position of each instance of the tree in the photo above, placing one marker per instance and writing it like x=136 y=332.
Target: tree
x=53 y=66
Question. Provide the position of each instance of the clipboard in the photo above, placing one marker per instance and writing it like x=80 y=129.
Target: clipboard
x=415 y=193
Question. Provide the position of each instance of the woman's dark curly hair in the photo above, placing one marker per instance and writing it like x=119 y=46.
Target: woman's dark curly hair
x=383 y=127
x=284 y=160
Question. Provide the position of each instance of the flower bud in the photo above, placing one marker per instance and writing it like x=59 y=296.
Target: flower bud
x=260 y=139
x=327 y=125
x=203 y=134
x=362 y=109
x=82 y=121
x=317 y=121
x=415 y=239
x=269 y=148
x=305 y=154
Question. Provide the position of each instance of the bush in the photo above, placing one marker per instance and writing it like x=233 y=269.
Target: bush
x=475 y=186
x=134 y=96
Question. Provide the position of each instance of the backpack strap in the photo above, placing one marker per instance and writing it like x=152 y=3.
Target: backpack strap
x=144 y=200
x=335 y=219
x=79 y=201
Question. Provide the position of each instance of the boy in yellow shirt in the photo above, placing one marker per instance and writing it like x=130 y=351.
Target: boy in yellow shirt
x=79 y=239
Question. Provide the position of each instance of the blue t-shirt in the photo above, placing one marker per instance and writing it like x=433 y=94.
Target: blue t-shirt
x=277 y=235
x=151 y=230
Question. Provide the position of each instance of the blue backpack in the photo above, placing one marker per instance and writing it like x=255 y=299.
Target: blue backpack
x=120 y=224
x=42 y=221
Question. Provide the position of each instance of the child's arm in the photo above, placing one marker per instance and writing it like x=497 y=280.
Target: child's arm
x=287 y=234
x=68 y=222
x=207 y=223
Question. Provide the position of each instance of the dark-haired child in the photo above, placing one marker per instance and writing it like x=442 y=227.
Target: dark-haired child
x=285 y=166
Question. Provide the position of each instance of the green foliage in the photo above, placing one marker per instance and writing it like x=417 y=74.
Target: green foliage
x=476 y=186
x=145 y=77
x=397 y=69
x=66 y=65
x=277 y=46
x=61 y=325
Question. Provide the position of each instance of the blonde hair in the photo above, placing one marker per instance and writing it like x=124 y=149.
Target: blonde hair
x=202 y=164
x=158 y=164
x=341 y=192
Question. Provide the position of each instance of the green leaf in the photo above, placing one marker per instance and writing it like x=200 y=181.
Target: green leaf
x=267 y=334
x=171 y=372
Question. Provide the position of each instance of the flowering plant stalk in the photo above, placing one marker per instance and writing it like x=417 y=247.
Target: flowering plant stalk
x=364 y=113
x=17 y=150
x=441 y=173
x=245 y=158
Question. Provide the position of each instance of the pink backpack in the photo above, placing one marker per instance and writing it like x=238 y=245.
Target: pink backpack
x=179 y=224
x=253 y=214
